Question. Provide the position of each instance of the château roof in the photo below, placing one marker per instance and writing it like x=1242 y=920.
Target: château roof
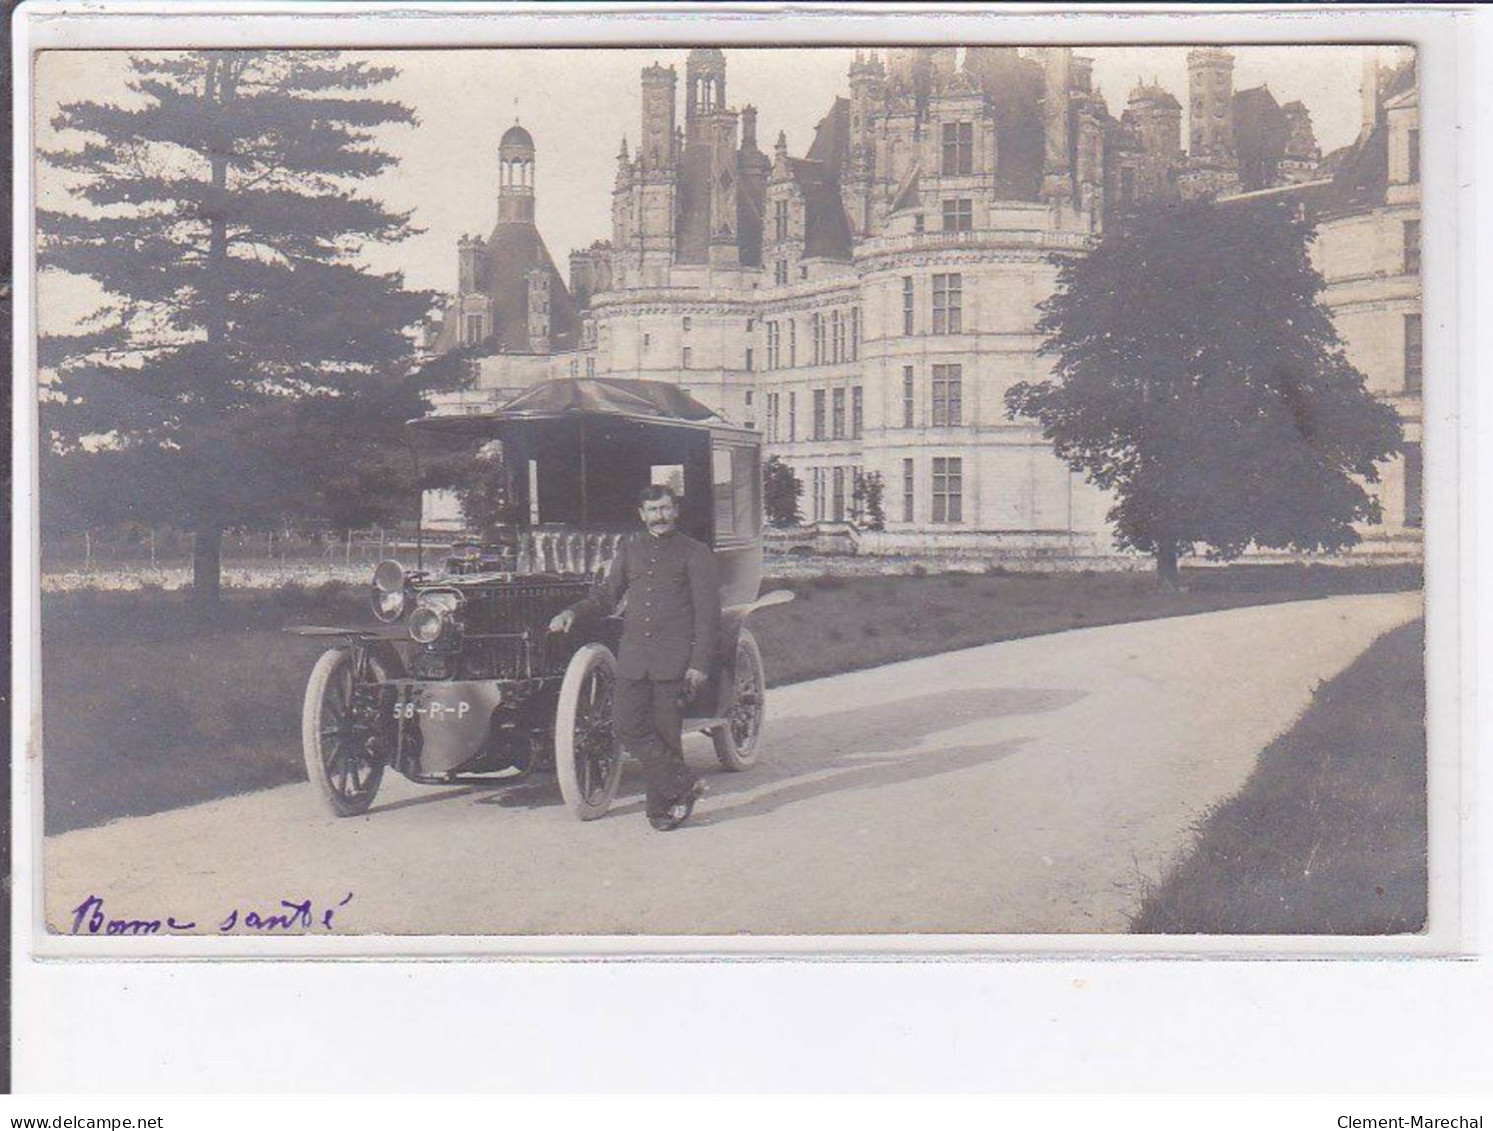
x=516 y=137
x=826 y=227
x=511 y=252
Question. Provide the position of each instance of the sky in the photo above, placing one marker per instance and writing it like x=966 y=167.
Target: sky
x=579 y=104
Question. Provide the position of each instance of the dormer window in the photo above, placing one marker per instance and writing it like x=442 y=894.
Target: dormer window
x=958 y=148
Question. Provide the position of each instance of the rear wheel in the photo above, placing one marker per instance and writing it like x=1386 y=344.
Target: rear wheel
x=339 y=733
x=588 y=753
x=738 y=741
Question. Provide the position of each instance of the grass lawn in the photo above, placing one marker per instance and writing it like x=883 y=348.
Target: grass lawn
x=1328 y=836
x=149 y=704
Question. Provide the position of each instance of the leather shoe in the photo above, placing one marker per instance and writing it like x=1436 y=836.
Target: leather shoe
x=680 y=811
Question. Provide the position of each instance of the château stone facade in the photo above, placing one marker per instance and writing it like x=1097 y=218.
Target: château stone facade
x=867 y=304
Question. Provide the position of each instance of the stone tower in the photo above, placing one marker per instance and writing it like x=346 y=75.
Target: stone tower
x=1158 y=119
x=652 y=200
x=858 y=182
x=516 y=176
x=656 y=151
x=705 y=89
x=1210 y=83
x=537 y=281
x=471 y=256
x=1057 y=70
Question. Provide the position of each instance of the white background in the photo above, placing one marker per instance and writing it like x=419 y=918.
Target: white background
x=1081 y=1022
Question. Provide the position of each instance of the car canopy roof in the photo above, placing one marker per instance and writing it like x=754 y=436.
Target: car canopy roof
x=611 y=396
x=577 y=399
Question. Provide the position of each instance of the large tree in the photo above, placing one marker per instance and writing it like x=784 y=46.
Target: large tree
x=781 y=491
x=248 y=366
x=1199 y=377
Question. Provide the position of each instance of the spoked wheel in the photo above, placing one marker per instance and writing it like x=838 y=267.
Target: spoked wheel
x=588 y=753
x=739 y=740
x=339 y=733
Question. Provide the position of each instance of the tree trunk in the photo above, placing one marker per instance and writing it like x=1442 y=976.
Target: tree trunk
x=1168 y=576
x=207 y=565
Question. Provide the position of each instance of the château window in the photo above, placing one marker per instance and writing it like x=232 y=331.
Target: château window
x=907 y=304
x=948 y=395
x=688 y=357
x=591 y=366
x=749 y=365
x=1414 y=155
x=948 y=304
x=816 y=336
x=1414 y=512
x=780 y=220
x=837 y=336
x=838 y=420
x=1412 y=247
x=1413 y=362
x=958 y=216
x=792 y=416
x=918 y=224
x=749 y=398
x=855 y=333
x=819 y=493
x=907 y=490
x=857 y=412
x=647 y=341
x=473 y=329
x=907 y=396
x=780 y=273
x=948 y=489
x=686 y=321
x=819 y=414
x=958 y=148
x=792 y=343
x=839 y=495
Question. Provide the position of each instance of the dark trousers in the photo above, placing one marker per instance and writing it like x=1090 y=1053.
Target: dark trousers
x=649 y=717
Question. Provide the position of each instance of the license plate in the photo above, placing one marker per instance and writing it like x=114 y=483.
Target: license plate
x=432 y=711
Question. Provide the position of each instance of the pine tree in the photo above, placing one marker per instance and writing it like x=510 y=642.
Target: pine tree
x=1199 y=377
x=247 y=368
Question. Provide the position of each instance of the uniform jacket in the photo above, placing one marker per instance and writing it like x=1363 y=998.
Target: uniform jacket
x=673 y=617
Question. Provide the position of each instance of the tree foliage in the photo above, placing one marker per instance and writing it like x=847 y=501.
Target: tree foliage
x=248 y=367
x=868 y=499
x=781 y=491
x=1199 y=377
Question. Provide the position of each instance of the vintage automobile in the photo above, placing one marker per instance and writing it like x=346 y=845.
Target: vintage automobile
x=463 y=681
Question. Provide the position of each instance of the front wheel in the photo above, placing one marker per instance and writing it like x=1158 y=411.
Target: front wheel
x=738 y=741
x=588 y=753
x=339 y=728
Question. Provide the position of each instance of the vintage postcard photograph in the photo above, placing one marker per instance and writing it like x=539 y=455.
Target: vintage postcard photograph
x=730 y=492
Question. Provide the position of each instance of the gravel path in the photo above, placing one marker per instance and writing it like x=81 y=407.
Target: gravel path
x=1031 y=786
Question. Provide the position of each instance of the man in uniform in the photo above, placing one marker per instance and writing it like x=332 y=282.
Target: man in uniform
x=670 y=632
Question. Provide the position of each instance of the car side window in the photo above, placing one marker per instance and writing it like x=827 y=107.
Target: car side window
x=723 y=492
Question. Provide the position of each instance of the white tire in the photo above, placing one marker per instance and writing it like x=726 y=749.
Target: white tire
x=588 y=753
x=334 y=741
x=739 y=739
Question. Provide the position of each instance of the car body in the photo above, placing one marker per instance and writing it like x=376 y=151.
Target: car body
x=464 y=678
